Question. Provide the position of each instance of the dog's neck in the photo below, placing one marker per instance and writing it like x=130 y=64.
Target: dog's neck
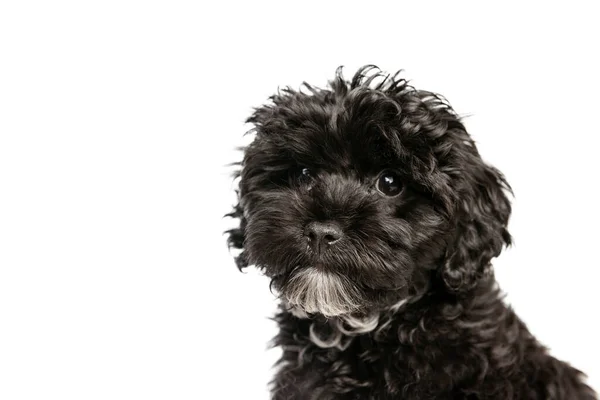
x=340 y=332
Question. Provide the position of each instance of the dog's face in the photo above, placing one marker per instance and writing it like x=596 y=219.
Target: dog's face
x=355 y=197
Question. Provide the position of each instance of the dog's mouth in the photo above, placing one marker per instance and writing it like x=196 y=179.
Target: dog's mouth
x=321 y=266
x=316 y=290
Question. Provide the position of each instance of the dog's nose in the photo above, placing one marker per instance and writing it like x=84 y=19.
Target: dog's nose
x=321 y=234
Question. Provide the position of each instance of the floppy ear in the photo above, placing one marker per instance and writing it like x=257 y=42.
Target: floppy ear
x=261 y=117
x=481 y=218
x=236 y=235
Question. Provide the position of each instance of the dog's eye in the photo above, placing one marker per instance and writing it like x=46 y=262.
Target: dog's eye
x=301 y=174
x=389 y=183
x=305 y=172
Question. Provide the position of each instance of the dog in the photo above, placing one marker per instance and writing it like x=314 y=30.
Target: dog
x=368 y=206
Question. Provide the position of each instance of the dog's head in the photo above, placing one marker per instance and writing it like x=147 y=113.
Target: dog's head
x=356 y=196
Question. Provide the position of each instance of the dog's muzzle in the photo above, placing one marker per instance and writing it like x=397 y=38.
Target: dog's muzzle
x=322 y=235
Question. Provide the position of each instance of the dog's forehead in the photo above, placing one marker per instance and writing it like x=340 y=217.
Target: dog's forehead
x=333 y=138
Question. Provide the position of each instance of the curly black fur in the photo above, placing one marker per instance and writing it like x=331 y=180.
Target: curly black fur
x=405 y=304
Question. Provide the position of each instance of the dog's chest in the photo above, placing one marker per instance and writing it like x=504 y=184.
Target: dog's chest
x=374 y=365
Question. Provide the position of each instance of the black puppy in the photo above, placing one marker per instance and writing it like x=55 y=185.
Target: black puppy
x=369 y=207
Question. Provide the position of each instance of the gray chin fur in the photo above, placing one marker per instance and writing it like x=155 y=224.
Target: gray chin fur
x=314 y=291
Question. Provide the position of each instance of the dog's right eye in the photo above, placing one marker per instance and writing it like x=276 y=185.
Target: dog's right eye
x=301 y=175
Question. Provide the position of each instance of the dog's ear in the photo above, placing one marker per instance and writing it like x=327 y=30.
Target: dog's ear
x=235 y=239
x=474 y=194
x=480 y=219
x=261 y=118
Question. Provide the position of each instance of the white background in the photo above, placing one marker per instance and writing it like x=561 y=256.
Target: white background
x=118 y=117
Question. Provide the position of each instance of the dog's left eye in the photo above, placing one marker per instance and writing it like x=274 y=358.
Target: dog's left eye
x=305 y=172
x=389 y=183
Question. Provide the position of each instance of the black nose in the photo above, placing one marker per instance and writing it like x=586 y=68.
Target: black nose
x=322 y=234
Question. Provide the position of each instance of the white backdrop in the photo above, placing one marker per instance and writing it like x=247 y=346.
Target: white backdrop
x=118 y=117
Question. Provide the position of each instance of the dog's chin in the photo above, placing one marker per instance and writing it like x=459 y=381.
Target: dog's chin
x=314 y=290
